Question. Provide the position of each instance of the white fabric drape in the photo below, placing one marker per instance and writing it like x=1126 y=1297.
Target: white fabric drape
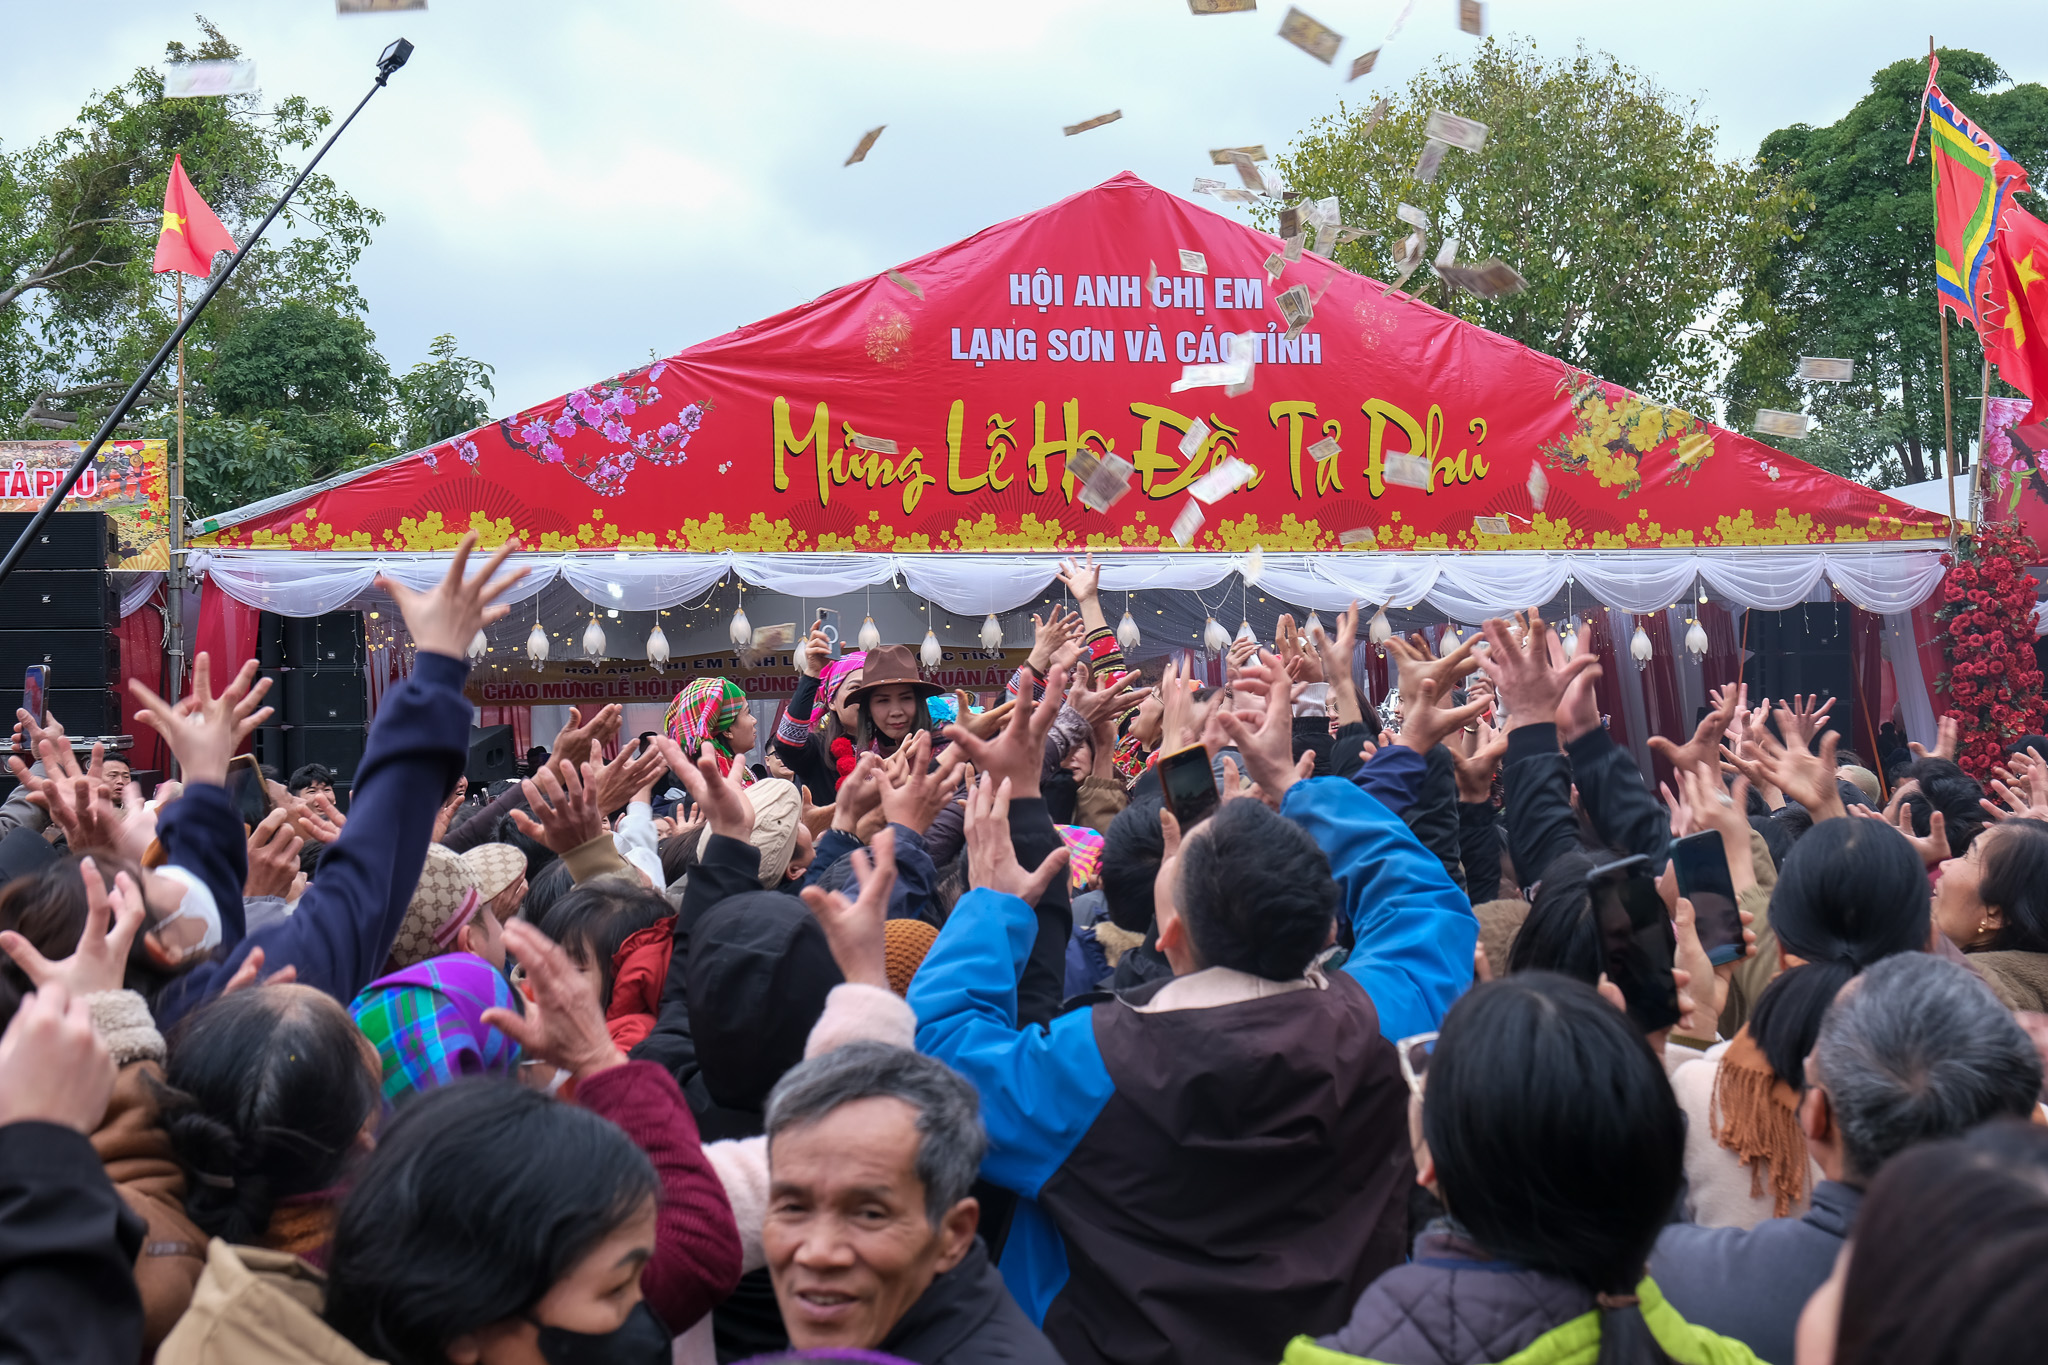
x=1902 y=651
x=136 y=588
x=1465 y=588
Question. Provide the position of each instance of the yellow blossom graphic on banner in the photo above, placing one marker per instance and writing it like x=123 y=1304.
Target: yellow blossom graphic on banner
x=1612 y=436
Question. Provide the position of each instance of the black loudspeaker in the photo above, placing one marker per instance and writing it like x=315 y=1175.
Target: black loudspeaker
x=89 y=659
x=267 y=744
x=338 y=748
x=490 y=755
x=324 y=696
x=331 y=641
x=1800 y=651
x=68 y=540
x=62 y=599
x=85 y=710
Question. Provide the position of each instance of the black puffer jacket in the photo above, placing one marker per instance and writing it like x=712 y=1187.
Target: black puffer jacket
x=1453 y=1305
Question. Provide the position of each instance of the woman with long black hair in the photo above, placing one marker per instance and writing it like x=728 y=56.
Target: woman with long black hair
x=1544 y=1123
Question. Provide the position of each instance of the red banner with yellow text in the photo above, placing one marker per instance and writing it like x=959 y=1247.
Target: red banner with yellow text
x=942 y=416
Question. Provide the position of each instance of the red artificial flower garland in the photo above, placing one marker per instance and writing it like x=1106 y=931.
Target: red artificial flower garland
x=1986 y=620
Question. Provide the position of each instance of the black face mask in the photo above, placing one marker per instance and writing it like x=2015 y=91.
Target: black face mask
x=640 y=1340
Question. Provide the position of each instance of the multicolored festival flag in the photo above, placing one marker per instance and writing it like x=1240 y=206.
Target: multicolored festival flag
x=1974 y=181
x=191 y=235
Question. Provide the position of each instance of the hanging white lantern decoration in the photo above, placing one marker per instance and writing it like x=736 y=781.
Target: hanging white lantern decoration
x=1313 y=627
x=1215 y=638
x=991 y=633
x=1127 y=632
x=593 y=640
x=1448 y=642
x=1252 y=566
x=478 y=645
x=929 y=651
x=657 y=648
x=869 y=637
x=1244 y=633
x=1696 y=640
x=742 y=629
x=1569 y=637
x=537 y=645
x=1639 y=648
x=1381 y=630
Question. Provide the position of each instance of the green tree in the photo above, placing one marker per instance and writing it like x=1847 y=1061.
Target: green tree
x=1600 y=188
x=80 y=309
x=444 y=396
x=1856 y=278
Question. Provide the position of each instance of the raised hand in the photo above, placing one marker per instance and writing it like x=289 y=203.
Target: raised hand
x=1058 y=627
x=1100 y=706
x=1807 y=719
x=1018 y=752
x=100 y=961
x=1426 y=722
x=1336 y=656
x=563 y=1024
x=1266 y=738
x=53 y=1066
x=1931 y=846
x=983 y=724
x=317 y=818
x=78 y=804
x=204 y=731
x=853 y=928
x=914 y=795
x=1798 y=772
x=1947 y=738
x=1531 y=675
x=446 y=619
x=630 y=771
x=251 y=970
x=577 y=738
x=273 y=855
x=720 y=797
x=817 y=650
x=991 y=857
x=1083 y=578
x=566 y=816
x=1706 y=737
x=1475 y=770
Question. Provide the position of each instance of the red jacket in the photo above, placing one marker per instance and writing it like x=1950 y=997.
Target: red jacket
x=696 y=1244
x=639 y=969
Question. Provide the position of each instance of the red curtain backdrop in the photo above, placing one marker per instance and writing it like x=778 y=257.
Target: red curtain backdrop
x=141 y=634
x=1722 y=664
x=1664 y=711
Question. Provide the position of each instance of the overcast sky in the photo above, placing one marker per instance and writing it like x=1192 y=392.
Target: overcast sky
x=570 y=187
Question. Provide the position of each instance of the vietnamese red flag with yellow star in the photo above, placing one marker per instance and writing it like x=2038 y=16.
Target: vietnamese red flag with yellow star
x=2016 y=307
x=191 y=234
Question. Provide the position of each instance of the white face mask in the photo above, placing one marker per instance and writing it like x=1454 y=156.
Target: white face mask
x=195 y=909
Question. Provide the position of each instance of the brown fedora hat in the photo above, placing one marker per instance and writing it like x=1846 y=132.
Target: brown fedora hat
x=892 y=666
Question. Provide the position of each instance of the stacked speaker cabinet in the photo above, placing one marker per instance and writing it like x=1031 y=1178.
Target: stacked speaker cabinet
x=1801 y=651
x=320 y=691
x=60 y=608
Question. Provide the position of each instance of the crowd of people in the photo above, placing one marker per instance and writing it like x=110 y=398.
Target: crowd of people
x=959 y=1036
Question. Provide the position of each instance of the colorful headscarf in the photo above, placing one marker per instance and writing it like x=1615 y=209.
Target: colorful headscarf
x=426 y=1023
x=706 y=710
x=1084 y=854
x=835 y=673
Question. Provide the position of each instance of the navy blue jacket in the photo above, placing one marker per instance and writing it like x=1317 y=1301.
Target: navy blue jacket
x=342 y=931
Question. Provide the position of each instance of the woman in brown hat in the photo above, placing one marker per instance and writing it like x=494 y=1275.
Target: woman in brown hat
x=890 y=701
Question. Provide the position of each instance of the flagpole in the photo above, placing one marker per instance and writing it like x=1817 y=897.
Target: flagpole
x=174 y=597
x=1983 y=443
x=394 y=57
x=1948 y=416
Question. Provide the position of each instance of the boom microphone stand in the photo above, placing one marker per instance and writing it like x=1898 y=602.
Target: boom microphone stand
x=392 y=58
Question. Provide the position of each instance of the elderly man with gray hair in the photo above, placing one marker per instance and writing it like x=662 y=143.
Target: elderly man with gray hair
x=870 y=1233
x=1916 y=1048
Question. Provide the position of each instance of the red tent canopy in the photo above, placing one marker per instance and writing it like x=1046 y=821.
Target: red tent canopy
x=935 y=408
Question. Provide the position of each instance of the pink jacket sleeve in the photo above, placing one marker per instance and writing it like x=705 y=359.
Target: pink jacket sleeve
x=696 y=1245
